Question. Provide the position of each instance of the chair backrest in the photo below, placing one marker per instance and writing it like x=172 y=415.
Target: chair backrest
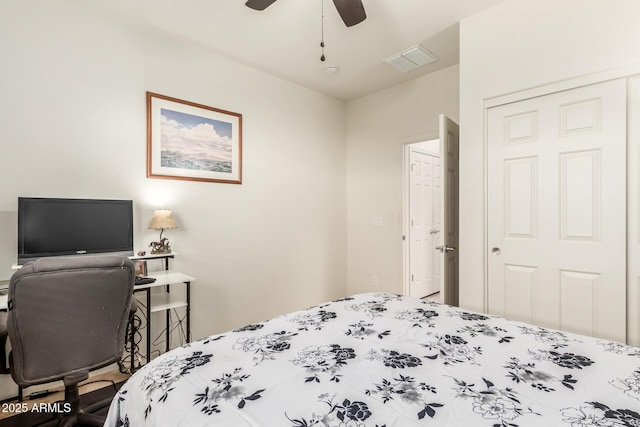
x=67 y=315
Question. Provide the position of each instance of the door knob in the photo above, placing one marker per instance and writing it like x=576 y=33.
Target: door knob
x=443 y=248
x=496 y=251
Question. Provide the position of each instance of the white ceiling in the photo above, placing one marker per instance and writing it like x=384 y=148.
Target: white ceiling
x=284 y=40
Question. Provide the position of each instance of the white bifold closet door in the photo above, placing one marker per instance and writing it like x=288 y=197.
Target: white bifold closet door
x=557 y=210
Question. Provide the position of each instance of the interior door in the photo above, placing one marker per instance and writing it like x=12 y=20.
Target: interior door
x=448 y=247
x=556 y=210
x=424 y=223
x=437 y=211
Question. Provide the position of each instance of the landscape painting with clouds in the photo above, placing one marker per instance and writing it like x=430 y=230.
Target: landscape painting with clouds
x=196 y=143
x=189 y=141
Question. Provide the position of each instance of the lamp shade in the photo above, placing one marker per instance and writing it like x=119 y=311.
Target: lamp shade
x=162 y=219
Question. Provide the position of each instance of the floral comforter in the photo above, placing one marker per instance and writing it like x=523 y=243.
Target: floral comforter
x=386 y=360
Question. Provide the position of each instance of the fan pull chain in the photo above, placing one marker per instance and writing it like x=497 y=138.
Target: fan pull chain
x=322 y=57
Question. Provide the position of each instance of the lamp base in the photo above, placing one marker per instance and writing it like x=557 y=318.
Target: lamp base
x=160 y=251
x=161 y=247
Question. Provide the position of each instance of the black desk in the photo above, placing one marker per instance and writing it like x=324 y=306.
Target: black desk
x=164 y=301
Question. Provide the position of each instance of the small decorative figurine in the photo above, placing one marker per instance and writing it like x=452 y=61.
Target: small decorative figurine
x=161 y=247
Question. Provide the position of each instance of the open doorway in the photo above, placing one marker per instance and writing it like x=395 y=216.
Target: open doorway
x=430 y=216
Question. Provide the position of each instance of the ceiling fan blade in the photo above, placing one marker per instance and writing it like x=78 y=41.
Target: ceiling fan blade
x=351 y=11
x=259 y=4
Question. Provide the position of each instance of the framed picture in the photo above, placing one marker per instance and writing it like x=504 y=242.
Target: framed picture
x=141 y=268
x=194 y=142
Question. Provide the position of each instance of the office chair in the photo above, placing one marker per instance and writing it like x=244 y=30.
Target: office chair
x=4 y=333
x=67 y=316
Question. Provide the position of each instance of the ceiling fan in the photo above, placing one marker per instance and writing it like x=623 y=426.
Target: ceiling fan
x=351 y=11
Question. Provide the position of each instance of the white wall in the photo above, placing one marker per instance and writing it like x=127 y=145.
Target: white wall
x=378 y=126
x=73 y=120
x=431 y=146
x=517 y=45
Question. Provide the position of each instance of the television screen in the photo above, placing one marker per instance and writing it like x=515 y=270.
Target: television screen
x=52 y=227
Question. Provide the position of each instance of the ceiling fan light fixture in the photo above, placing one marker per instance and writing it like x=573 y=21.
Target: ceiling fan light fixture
x=411 y=58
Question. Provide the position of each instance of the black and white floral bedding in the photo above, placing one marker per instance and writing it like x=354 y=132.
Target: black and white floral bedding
x=386 y=360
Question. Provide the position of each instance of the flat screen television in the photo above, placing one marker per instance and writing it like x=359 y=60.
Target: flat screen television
x=53 y=227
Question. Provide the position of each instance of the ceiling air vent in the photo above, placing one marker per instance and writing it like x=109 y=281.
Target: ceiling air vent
x=411 y=58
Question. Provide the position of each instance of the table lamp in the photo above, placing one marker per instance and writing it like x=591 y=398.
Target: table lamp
x=162 y=219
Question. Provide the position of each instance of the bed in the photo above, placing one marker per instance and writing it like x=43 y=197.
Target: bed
x=386 y=360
